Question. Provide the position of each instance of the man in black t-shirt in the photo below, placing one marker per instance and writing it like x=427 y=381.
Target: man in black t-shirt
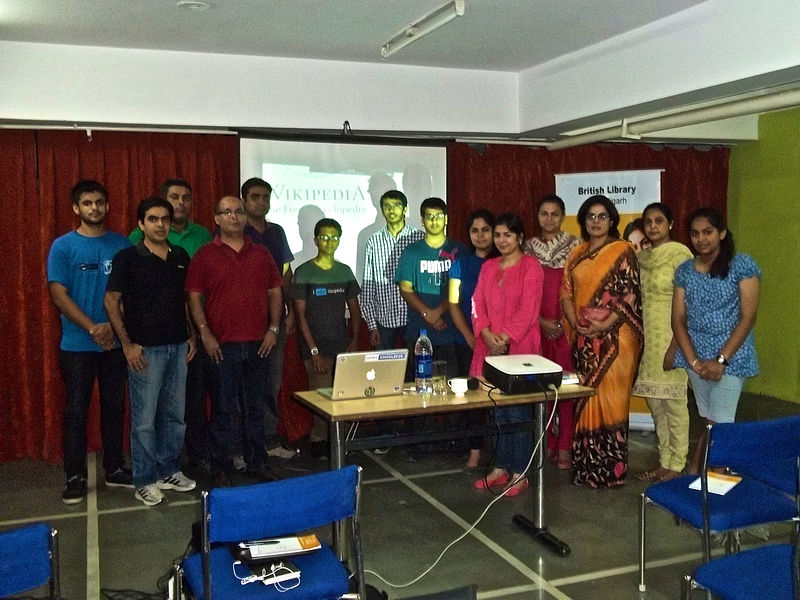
x=146 y=307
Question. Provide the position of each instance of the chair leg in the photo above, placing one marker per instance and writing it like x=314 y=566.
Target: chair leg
x=686 y=587
x=642 y=587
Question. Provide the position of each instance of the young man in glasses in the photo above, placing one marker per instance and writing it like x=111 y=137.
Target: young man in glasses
x=422 y=276
x=321 y=290
x=238 y=327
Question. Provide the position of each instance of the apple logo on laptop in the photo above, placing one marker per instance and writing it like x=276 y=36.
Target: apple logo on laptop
x=371 y=375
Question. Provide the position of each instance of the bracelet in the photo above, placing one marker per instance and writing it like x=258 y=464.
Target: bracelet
x=204 y=325
x=694 y=362
x=274 y=329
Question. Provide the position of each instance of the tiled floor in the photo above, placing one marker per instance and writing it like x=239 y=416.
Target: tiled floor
x=410 y=512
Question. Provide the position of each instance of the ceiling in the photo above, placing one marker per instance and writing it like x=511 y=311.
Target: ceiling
x=495 y=35
x=507 y=36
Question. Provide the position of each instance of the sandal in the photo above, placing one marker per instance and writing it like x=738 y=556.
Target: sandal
x=517 y=488
x=486 y=482
x=652 y=475
x=564 y=460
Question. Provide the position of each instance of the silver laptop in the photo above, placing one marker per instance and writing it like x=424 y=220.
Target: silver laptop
x=368 y=374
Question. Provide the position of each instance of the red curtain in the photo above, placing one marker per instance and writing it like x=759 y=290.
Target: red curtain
x=514 y=178
x=39 y=169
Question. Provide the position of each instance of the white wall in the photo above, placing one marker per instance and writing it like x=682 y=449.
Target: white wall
x=718 y=43
x=107 y=85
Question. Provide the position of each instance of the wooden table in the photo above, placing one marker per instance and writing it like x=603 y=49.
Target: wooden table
x=340 y=414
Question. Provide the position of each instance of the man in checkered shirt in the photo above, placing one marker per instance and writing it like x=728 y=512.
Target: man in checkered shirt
x=384 y=310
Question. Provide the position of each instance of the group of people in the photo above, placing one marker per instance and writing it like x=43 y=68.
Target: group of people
x=181 y=313
x=638 y=318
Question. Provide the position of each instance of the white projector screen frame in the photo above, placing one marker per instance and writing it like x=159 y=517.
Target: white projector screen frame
x=343 y=181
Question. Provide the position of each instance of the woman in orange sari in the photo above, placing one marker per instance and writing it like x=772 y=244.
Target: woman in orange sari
x=601 y=301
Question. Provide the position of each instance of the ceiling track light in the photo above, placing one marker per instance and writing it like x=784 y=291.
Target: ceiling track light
x=430 y=22
x=194 y=5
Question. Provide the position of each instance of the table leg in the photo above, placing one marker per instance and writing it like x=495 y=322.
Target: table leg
x=536 y=528
x=336 y=447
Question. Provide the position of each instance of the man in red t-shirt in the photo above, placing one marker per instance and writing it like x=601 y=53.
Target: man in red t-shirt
x=234 y=291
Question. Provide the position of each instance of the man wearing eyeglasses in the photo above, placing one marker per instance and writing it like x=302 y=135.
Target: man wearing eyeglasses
x=321 y=290
x=238 y=326
x=422 y=275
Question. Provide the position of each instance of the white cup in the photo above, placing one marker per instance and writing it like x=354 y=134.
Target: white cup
x=458 y=385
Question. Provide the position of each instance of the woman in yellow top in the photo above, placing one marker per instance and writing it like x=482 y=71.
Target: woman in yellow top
x=664 y=389
x=601 y=301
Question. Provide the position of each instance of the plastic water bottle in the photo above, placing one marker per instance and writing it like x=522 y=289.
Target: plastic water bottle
x=423 y=363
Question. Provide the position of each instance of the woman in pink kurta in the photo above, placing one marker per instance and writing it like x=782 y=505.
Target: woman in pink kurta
x=505 y=317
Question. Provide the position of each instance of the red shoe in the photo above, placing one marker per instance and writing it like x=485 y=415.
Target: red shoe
x=484 y=482
x=517 y=488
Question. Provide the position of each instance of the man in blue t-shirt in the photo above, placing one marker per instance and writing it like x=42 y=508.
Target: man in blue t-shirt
x=78 y=268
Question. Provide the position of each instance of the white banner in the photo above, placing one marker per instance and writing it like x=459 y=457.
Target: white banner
x=630 y=191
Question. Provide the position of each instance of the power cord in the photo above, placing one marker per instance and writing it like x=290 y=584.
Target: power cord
x=488 y=506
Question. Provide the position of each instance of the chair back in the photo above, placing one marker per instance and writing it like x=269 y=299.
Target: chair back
x=282 y=507
x=755 y=444
x=29 y=559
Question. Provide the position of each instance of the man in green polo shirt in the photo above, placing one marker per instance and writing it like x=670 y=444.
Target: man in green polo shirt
x=189 y=236
x=182 y=232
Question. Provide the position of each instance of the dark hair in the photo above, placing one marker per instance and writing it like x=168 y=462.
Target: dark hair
x=327 y=223
x=512 y=221
x=152 y=202
x=84 y=187
x=170 y=182
x=727 y=248
x=394 y=195
x=583 y=211
x=254 y=182
x=552 y=198
x=487 y=216
x=432 y=203
x=665 y=210
x=636 y=224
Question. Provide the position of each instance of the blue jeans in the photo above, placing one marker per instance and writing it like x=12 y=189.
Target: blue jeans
x=242 y=381
x=158 y=400
x=80 y=370
x=514 y=449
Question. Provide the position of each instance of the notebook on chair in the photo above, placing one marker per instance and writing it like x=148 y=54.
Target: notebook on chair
x=368 y=374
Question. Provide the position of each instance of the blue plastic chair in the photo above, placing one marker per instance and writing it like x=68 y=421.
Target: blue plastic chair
x=760 y=452
x=269 y=510
x=769 y=571
x=28 y=560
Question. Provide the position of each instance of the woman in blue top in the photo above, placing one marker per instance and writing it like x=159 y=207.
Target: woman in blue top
x=463 y=280
x=714 y=307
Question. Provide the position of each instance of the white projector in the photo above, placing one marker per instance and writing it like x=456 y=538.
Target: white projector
x=521 y=373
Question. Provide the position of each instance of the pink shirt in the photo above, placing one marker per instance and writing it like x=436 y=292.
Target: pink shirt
x=507 y=300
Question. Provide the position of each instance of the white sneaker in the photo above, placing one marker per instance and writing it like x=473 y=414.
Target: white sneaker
x=281 y=452
x=178 y=482
x=149 y=494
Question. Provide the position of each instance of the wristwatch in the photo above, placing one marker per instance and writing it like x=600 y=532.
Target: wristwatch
x=314 y=351
x=722 y=360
